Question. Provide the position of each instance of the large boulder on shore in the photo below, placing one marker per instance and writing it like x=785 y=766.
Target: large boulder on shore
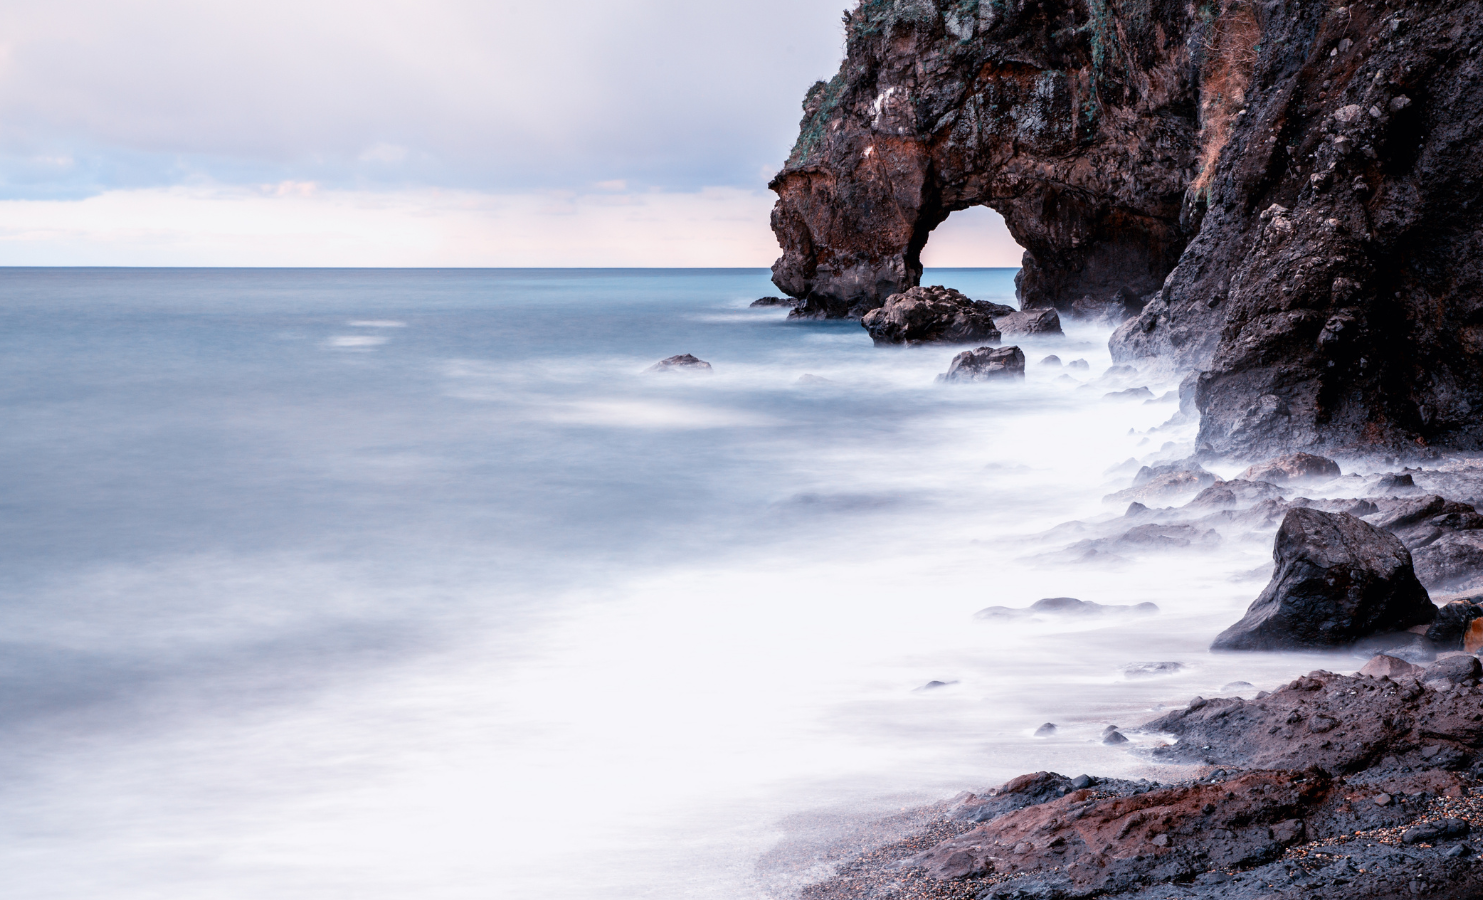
x=1338 y=579
x=932 y=315
x=986 y=364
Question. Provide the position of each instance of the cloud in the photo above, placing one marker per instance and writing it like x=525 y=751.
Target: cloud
x=498 y=96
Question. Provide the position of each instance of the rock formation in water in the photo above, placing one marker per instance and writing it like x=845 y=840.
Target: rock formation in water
x=1283 y=195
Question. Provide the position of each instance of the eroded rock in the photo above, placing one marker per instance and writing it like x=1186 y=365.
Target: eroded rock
x=1029 y=322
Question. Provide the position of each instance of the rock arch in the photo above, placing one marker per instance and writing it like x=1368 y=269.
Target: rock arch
x=1037 y=110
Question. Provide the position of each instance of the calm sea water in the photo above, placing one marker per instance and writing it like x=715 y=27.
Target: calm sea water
x=389 y=584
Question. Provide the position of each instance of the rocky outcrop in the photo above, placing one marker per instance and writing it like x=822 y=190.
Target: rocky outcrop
x=1338 y=579
x=1282 y=194
x=931 y=315
x=789 y=302
x=986 y=364
x=1330 y=787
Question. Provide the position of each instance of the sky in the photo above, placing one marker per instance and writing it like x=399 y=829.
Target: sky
x=428 y=133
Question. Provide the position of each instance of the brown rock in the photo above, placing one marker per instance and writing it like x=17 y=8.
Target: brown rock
x=1382 y=666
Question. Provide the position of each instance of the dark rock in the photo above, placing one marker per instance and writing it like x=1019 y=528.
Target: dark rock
x=1445 y=537
x=1440 y=830
x=1337 y=579
x=1339 y=724
x=934 y=685
x=986 y=364
x=1022 y=792
x=682 y=363
x=1028 y=322
x=1237 y=686
x=1292 y=220
x=1081 y=364
x=930 y=315
x=1114 y=738
x=1391 y=485
x=1454 y=670
x=1046 y=730
x=1294 y=467
x=1452 y=621
x=1051 y=361
x=1082 y=782
x=789 y=302
x=1137 y=393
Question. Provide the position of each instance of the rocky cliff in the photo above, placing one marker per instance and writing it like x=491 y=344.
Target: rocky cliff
x=1282 y=196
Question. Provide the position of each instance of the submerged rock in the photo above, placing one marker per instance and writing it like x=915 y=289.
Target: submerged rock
x=986 y=364
x=1337 y=579
x=789 y=302
x=682 y=363
x=931 y=315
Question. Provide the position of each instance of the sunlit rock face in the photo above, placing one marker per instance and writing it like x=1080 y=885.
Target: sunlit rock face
x=1282 y=196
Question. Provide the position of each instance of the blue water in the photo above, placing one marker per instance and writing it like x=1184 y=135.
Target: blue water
x=386 y=583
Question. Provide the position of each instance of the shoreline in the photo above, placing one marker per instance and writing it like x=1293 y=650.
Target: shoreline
x=1359 y=818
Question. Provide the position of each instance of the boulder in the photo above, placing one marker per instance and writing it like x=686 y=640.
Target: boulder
x=1293 y=467
x=1337 y=579
x=1459 y=669
x=1452 y=624
x=986 y=364
x=1445 y=538
x=1080 y=364
x=1052 y=360
x=1382 y=666
x=930 y=315
x=1030 y=321
x=789 y=302
x=682 y=363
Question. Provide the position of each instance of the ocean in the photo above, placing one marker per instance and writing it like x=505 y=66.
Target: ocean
x=414 y=583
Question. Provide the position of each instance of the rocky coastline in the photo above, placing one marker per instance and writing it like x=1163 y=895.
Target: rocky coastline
x=1276 y=204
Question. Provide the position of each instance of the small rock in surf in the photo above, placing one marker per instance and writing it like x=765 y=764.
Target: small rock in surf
x=682 y=363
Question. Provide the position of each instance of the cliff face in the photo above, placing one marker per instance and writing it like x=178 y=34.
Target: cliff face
x=1284 y=195
x=1334 y=294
